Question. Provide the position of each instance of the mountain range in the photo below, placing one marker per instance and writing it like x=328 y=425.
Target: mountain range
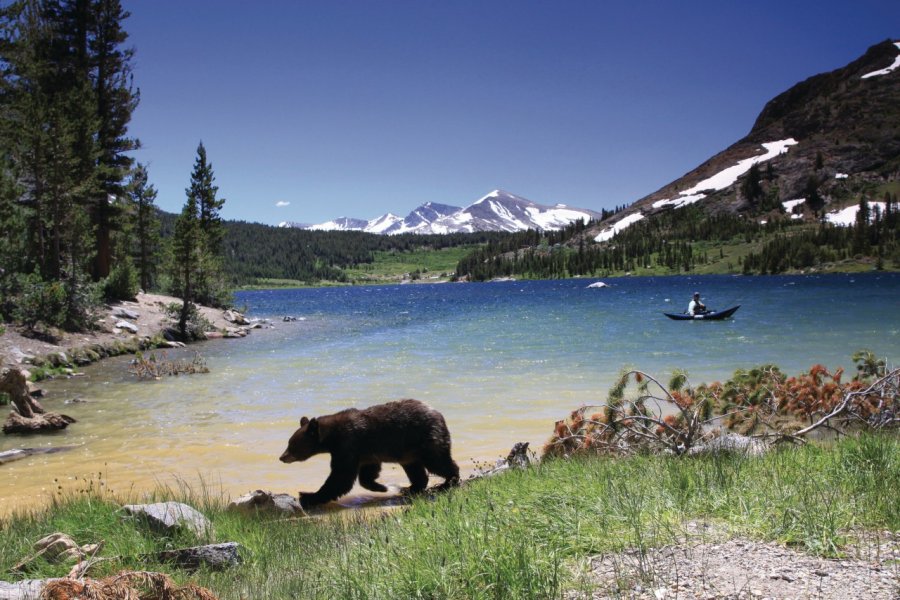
x=496 y=211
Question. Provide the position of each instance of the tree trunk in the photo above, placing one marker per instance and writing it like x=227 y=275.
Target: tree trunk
x=29 y=416
x=14 y=385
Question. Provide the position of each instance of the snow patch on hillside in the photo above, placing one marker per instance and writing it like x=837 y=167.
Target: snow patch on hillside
x=894 y=66
x=721 y=180
x=609 y=232
x=790 y=204
x=847 y=216
x=726 y=177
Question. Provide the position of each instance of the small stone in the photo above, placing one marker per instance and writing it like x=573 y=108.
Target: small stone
x=260 y=500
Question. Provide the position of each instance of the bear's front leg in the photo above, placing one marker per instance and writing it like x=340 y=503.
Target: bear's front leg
x=339 y=482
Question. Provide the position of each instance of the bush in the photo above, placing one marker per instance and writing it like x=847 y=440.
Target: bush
x=41 y=302
x=195 y=325
x=122 y=283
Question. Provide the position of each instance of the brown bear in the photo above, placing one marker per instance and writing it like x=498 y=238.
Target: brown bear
x=406 y=432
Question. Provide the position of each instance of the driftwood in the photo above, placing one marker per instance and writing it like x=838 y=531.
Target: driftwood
x=29 y=416
x=8 y=456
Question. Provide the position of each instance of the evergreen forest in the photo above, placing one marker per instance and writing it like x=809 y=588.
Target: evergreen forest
x=693 y=240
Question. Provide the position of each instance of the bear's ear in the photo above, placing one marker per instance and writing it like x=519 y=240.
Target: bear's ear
x=312 y=426
x=303 y=421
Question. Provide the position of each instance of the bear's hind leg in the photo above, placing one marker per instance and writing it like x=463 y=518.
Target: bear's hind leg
x=444 y=466
x=418 y=477
x=367 y=476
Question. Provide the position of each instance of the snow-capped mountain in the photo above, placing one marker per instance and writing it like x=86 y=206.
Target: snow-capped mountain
x=497 y=211
x=340 y=224
x=502 y=211
x=422 y=218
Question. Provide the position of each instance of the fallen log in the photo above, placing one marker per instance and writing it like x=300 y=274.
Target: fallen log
x=8 y=456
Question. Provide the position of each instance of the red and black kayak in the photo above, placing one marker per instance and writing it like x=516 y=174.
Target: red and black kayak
x=712 y=315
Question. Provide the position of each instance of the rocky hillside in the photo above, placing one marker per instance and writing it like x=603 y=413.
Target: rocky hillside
x=816 y=147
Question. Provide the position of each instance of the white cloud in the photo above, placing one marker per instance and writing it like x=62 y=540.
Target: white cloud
x=281 y=203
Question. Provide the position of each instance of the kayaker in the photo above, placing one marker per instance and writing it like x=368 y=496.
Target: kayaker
x=696 y=307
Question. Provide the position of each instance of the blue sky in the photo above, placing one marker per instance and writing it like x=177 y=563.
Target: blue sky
x=343 y=108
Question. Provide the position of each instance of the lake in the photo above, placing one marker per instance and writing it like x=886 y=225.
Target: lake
x=502 y=361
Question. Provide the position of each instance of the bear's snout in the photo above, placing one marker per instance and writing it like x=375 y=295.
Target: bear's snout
x=287 y=457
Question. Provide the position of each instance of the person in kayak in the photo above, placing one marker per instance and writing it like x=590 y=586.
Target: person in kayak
x=696 y=307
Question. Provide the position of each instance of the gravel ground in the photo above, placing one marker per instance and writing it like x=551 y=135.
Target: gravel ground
x=151 y=319
x=744 y=569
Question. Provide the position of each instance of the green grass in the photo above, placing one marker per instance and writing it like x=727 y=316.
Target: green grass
x=396 y=266
x=519 y=535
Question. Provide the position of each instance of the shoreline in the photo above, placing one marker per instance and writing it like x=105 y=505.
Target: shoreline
x=124 y=327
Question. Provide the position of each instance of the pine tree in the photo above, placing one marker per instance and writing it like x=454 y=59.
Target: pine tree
x=209 y=286
x=751 y=188
x=97 y=39
x=186 y=259
x=146 y=226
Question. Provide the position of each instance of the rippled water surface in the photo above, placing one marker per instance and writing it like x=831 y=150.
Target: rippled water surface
x=502 y=361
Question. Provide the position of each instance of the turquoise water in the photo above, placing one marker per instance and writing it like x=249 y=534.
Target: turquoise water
x=502 y=361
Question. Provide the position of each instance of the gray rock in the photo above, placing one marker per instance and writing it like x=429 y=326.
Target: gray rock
x=29 y=589
x=233 y=316
x=214 y=556
x=165 y=517
x=126 y=314
x=127 y=326
x=19 y=356
x=264 y=501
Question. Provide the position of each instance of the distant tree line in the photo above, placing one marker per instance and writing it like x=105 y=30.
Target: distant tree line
x=668 y=241
x=255 y=251
x=875 y=234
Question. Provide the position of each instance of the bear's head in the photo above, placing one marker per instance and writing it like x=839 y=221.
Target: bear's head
x=306 y=442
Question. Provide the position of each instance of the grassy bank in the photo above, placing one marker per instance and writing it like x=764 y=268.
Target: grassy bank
x=519 y=535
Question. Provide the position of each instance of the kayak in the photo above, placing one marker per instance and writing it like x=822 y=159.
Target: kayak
x=713 y=315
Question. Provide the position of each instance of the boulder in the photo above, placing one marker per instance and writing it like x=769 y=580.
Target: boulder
x=125 y=313
x=213 y=556
x=263 y=501
x=19 y=356
x=165 y=517
x=131 y=327
x=29 y=589
x=233 y=316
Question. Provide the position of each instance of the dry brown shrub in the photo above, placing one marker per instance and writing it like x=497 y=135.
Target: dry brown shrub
x=127 y=585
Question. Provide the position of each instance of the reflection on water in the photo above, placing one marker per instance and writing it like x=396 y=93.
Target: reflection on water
x=502 y=361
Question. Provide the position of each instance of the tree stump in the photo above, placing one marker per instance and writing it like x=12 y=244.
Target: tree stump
x=29 y=416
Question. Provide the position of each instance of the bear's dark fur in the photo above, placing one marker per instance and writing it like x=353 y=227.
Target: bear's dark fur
x=406 y=432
